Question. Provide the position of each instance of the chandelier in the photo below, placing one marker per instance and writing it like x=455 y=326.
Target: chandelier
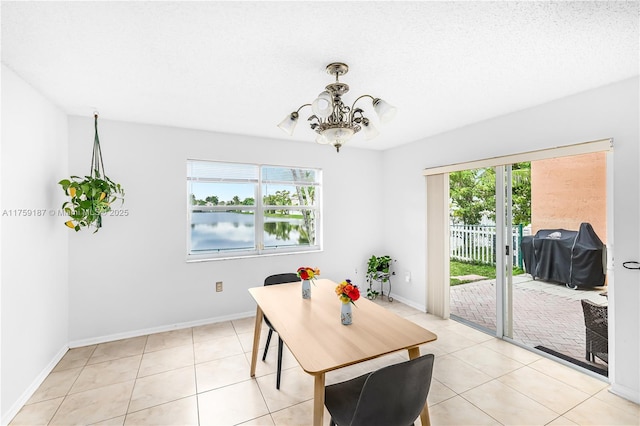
x=333 y=121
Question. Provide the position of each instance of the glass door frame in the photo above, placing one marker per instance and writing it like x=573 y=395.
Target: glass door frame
x=504 y=251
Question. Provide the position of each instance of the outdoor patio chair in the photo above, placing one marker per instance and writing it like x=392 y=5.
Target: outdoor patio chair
x=596 y=319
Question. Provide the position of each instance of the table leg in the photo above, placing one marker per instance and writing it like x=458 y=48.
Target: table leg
x=318 y=399
x=256 y=341
x=424 y=414
x=414 y=352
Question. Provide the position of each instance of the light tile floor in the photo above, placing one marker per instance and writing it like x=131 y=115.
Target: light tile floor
x=200 y=376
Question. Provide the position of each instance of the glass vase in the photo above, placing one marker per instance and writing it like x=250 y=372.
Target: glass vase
x=306 y=289
x=345 y=314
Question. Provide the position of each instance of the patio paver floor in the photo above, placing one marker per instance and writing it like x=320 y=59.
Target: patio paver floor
x=545 y=314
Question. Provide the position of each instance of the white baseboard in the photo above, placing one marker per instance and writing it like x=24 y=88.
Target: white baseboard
x=421 y=308
x=160 y=329
x=28 y=393
x=625 y=392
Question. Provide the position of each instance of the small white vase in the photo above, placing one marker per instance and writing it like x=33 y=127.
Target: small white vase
x=306 y=289
x=345 y=314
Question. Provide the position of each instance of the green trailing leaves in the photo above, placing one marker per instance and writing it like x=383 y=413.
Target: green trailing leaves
x=89 y=199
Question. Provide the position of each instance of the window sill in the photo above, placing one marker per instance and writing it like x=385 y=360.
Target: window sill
x=203 y=258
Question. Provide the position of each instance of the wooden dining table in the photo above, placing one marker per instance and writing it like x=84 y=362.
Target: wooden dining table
x=312 y=330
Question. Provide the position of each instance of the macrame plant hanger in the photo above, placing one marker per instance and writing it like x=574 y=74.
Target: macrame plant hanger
x=96 y=158
x=91 y=196
x=96 y=163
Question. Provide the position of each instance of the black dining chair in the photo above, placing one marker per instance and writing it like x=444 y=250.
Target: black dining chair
x=271 y=280
x=391 y=396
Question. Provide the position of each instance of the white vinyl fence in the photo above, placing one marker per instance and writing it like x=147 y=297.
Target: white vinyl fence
x=477 y=243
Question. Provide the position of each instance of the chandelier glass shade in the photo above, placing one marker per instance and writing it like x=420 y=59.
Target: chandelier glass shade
x=334 y=122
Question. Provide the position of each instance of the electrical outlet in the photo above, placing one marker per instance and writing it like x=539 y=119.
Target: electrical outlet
x=355 y=271
x=218 y=286
x=407 y=276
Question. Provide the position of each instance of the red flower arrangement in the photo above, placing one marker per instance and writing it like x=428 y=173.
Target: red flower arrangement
x=347 y=292
x=308 y=273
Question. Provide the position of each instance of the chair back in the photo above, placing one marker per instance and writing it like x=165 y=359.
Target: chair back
x=396 y=394
x=288 y=277
x=281 y=278
x=596 y=322
x=596 y=317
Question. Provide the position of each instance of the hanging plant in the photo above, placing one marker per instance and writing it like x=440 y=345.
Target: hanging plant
x=90 y=196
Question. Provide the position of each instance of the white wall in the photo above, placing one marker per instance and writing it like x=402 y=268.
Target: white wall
x=611 y=111
x=131 y=277
x=34 y=296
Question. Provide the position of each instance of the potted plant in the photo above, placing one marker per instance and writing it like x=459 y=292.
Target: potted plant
x=91 y=196
x=377 y=270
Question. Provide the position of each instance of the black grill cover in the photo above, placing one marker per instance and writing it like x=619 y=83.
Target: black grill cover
x=576 y=258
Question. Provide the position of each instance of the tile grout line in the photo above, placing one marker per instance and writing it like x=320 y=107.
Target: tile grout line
x=135 y=380
x=255 y=380
x=71 y=387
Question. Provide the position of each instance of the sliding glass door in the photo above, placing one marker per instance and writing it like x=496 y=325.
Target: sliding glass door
x=485 y=243
x=540 y=199
x=564 y=252
x=473 y=247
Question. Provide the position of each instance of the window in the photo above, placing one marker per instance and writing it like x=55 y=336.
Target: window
x=248 y=209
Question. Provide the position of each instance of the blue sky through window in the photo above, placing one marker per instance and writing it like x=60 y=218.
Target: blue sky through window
x=224 y=191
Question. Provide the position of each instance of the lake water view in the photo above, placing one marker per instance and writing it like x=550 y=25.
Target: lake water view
x=234 y=231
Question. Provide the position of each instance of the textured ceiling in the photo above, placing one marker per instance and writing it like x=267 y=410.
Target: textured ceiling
x=241 y=67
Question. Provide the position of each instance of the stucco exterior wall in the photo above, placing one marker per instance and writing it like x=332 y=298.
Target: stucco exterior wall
x=568 y=191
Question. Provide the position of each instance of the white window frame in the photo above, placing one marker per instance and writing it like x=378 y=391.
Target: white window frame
x=259 y=208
